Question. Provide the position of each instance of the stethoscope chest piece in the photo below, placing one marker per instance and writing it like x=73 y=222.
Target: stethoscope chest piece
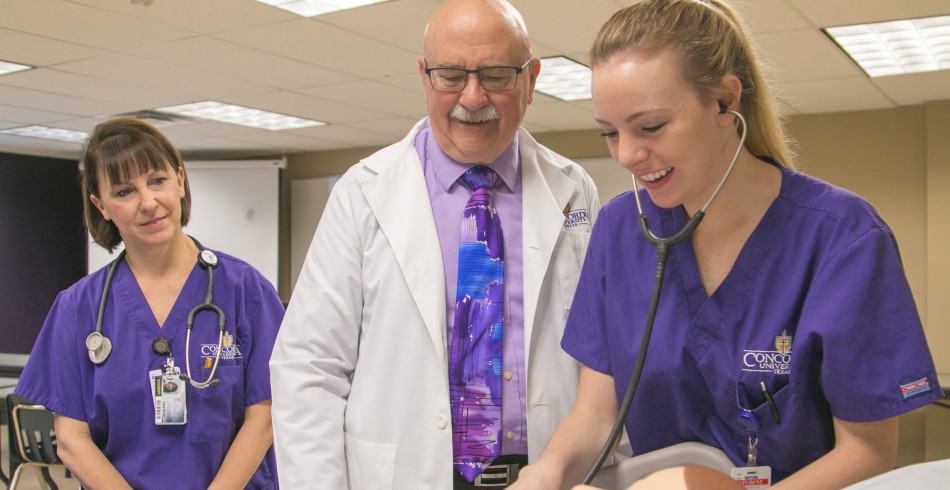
x=99 y=348
x=208 y=258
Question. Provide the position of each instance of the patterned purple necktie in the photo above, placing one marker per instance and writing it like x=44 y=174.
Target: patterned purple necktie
x=476 y=344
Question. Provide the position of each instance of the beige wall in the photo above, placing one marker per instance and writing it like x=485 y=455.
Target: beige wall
x=938 y=231
x=897 y=159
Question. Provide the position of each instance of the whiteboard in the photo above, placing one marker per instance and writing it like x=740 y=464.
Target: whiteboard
x=235 y=208
x=308 y=198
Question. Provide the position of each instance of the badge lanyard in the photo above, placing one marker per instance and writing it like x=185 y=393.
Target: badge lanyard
x=751 y=476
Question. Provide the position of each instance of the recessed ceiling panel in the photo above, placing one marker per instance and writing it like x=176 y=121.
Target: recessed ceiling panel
x=231 y=60
x=84 y=25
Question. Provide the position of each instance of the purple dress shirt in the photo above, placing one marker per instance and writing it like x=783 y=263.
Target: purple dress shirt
x=448 y=197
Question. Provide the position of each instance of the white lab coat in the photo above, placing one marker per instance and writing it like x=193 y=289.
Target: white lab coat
x=360 y=371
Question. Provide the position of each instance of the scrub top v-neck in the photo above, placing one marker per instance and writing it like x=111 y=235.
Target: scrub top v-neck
x=115 y=398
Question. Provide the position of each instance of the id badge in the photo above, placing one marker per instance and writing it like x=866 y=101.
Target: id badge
x=168 y=396
x=753 y=477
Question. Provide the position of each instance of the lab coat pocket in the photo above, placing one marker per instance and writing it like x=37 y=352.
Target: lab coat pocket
x=369 y=465
x=570 y=253
x=213 y=412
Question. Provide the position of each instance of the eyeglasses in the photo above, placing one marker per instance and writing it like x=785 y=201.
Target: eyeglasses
x=491 y=78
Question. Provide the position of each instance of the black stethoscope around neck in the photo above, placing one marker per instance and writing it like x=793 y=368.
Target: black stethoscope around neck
x=100 y=347
x=663 y=246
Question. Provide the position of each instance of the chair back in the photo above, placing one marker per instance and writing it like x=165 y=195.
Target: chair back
x=33 y=423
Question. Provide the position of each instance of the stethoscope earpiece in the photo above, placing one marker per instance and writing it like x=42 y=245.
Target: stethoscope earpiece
x=99 y=348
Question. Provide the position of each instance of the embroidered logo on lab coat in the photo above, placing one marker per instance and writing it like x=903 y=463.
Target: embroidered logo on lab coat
x=575 y=217
x=229 y=350
x=778 y=361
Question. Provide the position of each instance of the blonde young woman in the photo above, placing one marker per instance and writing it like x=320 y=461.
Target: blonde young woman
x=785 y=320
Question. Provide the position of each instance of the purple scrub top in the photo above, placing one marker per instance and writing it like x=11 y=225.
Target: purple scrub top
x=816 y=306
x=115 y=398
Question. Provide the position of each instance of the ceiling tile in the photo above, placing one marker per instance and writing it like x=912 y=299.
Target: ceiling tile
x=763 y=16
x=84 y=25
x=326 y=45
x=39 y=51
x=231 y=60
x=39 y=147
x=301 y=105
x=200 y=128
x=835 y=95
x=804 y=55
x=21 y=116
x=376 y=21
x=408 y=81
x=204 y=16
x=287 y=142
x=45 y=101
x=825 y=13
x=348 y=136
x=565 y=25
x=64 y=83
x=915 y=88
x=164 y=76
x=372 y=95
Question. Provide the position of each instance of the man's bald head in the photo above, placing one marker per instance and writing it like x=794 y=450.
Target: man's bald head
x=475 y=18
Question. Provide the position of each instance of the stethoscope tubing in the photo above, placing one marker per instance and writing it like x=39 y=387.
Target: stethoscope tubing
x=663 y=246
x=100 y=347
x=208 y=305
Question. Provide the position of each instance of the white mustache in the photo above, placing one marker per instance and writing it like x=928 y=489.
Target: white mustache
x=485 y=114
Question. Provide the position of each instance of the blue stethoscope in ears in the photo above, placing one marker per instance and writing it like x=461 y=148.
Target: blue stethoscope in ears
x=663 y=246
x=100 y=346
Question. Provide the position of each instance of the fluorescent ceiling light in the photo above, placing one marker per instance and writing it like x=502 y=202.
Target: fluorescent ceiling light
x=897 y=47
x=235 y=114
x=310 y=8
x=564 y=78
x=7 y=67
x=47 y=133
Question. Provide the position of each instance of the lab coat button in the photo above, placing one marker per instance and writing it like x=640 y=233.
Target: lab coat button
x=443 y=422
x=507 y=375
x=510 y=435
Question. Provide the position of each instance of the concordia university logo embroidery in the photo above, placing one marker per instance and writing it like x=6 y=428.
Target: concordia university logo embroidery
x=778 y=361
x=229 y=350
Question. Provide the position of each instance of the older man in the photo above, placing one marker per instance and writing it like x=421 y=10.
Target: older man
x=421 y=346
